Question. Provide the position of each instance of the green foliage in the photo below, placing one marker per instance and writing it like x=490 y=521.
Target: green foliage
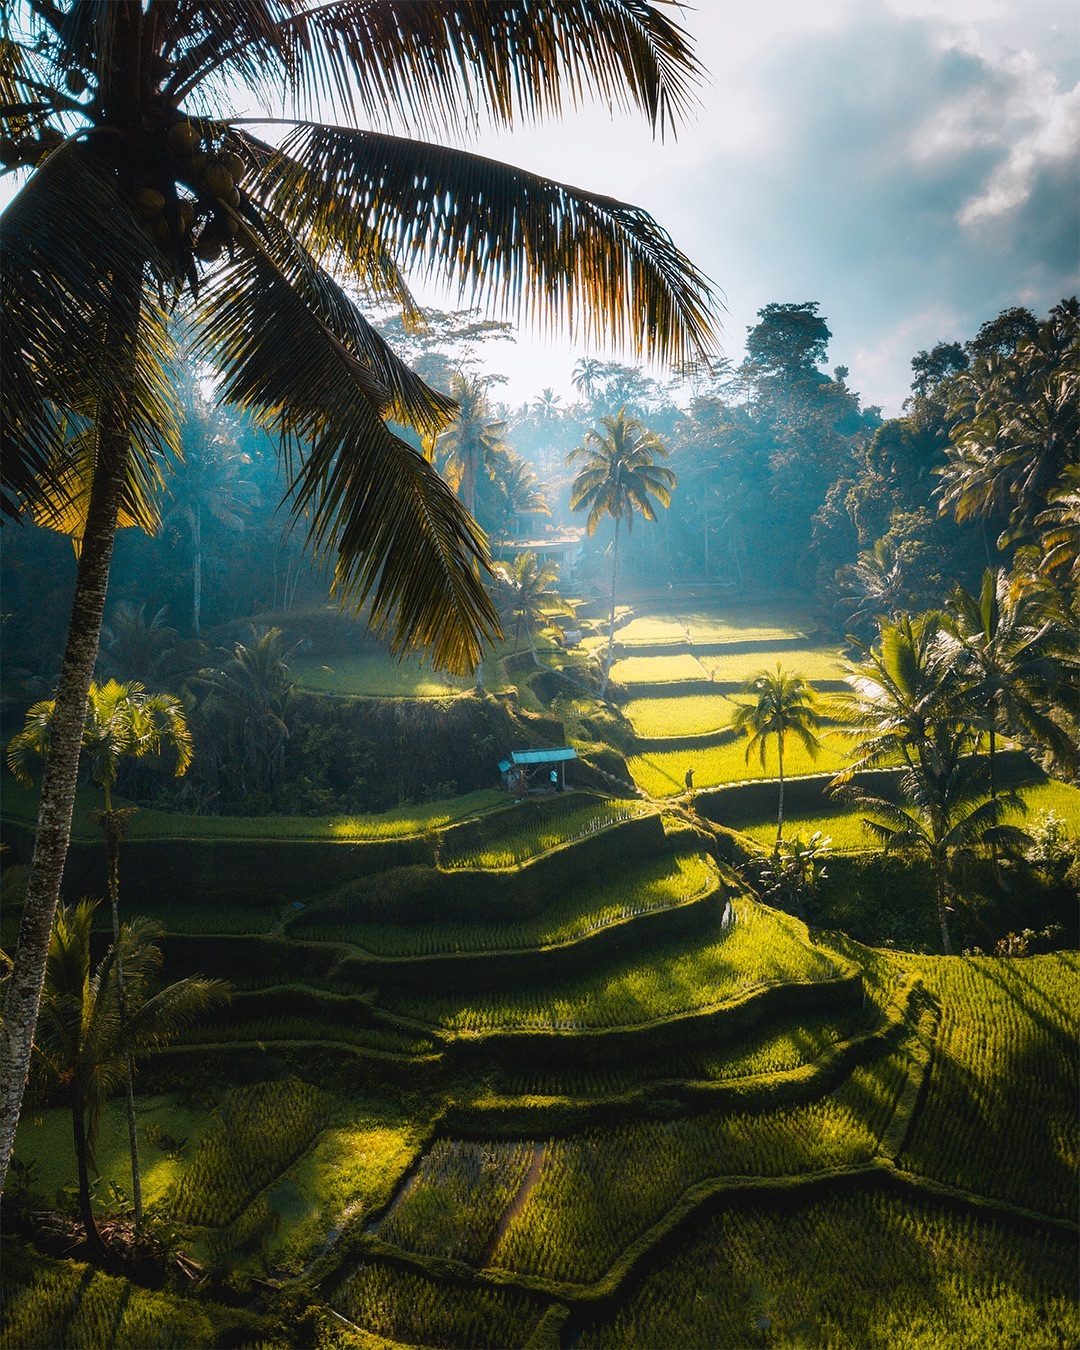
x=564 y=821
x=376 y=674
x=263 y=1129
x=1005 y=1070
x=866 y=1269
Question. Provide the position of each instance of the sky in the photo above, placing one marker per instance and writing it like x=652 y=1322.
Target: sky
x=911 y=165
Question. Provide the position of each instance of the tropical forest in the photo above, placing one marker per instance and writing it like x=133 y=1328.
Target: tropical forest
x=539 y=787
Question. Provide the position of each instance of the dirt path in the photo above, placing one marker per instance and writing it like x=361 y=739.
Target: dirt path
x=513 y=1209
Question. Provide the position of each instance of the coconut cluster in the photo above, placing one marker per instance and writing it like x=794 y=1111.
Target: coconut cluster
x=206 y=220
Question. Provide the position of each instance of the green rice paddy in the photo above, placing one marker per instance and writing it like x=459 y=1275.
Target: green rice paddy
x=690 y=715
x=673 y=669
x=662 y=773
x=810 y=663
x=375 y=675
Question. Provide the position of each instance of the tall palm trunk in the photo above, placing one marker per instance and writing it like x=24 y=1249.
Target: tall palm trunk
x=611 y=622
x=196 y=568
x=780 y=812
x=112 y=824
x=69 y=720
x=86 y=1209
x=941 y=886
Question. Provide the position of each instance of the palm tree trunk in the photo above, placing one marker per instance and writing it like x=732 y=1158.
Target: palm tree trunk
x=611 y=624
x=780 y=812
x=113 y=830
x=65 y=742
x=946 y=941
x=86 y=1210
x=196 y=540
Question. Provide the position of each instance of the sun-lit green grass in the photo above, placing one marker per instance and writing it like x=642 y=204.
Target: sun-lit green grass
x=738 y=624
x=690 y=715
x=811 y=663
x=762 y=946
x=45 y=1138
x=657 y=669
x=652 y=628
x=845 y=826
x=377 y=676
x=662 y=773
x=21 y=804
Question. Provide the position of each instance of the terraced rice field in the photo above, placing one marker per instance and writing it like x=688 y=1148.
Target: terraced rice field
x=690 y=715
x=662 y=773
x=633 y=670
x=641 y=888
x=866 y=1269
x=374 y=675
x=762 y=946
x=1006 y=1069
x=811 y=663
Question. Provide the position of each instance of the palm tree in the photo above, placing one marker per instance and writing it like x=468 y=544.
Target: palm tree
x=527 y=595
x=473 y=440
x=619 y=477
x=784 y=707
x=1006 y=662
x=945 y=812
x=210 y=485
x=588 y=371
x=128 y=197
x=516 y=491
x=245 y=714
x=123 y=722
x=899 y=694
x=89 y=1034
x=136 y=648
x=1059 y=529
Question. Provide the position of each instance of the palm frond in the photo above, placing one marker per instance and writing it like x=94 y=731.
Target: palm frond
x=448 y=68
x=401 y=538
x=57 y=299
x=537 y=249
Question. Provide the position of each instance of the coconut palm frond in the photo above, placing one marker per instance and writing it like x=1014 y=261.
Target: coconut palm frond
x=398 y=392
x=537 y=249
x=57 y=303
x=400 y=537
x=448 y=68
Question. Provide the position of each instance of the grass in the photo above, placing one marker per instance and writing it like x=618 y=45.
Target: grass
x=690 y=715
x=45 y=1139
x=377 y=676
x=20 y=804
x=1000 y=1116
x=633 y=670
x=762 y=946
x=599 y=1191
x=637 y=889
x=451 y=1206
x=261 y=1130
x=652 y=628
x=662 y=773
x=738 y=624
x=351 y=1171
x=845 y=825
x=766 y=1050
x=864 y=1269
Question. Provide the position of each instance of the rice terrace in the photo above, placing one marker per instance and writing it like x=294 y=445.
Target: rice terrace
x=499 y=865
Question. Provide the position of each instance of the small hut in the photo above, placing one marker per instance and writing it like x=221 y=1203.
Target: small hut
x=517 y=768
